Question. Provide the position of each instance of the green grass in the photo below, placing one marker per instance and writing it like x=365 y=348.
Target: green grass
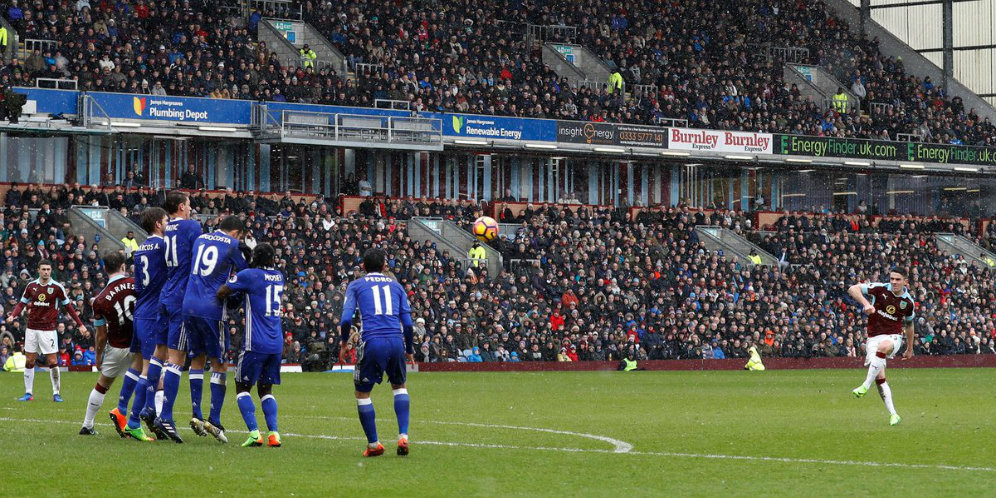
x=671 y=419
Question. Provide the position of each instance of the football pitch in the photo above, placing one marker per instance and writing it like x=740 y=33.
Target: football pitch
x=774 y=433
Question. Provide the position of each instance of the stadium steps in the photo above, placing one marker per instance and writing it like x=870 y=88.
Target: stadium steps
x=276 y=42
x=721 y=239
x=914 y=62
x=587 y=70
x=327 y=53
x=956 y=245
x=448 y=236
x=90 y=221
x=819 y=84
x=119 y=225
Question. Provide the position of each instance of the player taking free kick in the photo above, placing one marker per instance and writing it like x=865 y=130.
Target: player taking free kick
x=890 y=311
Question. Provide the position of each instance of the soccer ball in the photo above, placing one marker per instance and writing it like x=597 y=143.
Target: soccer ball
x=485 y=229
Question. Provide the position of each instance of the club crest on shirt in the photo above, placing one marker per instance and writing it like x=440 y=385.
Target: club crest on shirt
x=902 y=304
x=51 y=290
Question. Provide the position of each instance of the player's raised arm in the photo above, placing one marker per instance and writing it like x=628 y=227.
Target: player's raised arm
x=346 y=322
x=858 y=293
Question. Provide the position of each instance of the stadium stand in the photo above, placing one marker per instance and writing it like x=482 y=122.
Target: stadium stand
x=598 y=285
x=701 y=57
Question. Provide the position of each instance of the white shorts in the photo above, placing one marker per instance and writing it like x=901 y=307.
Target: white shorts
x=41 y=341
x=116 y=361
x=871 y=347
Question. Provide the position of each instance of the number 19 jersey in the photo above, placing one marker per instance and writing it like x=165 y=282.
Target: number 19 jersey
x=215 y=254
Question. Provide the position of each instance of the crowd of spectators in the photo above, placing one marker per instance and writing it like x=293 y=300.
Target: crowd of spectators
x=704 y=59
x=589 y=284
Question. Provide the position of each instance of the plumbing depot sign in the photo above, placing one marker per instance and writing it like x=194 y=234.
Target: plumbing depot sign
x=719 y=141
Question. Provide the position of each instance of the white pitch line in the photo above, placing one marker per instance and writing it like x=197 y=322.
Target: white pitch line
x=705 y=456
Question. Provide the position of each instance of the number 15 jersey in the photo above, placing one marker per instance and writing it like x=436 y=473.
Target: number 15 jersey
x=263 y=290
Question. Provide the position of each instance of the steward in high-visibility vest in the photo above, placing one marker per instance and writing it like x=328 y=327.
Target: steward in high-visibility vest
x=840 y=101
x=628 y=364
x=308 y=56
x=754 y=364
x=478 y=256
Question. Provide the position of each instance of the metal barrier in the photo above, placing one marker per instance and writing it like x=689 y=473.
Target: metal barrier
x=29 y=45
x=878 y=107
x=909 y=137
x=593 y=85
x=644 y=90
x=363 y=68
x=406 y=132
x=792 y=55
x=673 y=122
x=403 y=105
x=57 y=83
x=285 y=9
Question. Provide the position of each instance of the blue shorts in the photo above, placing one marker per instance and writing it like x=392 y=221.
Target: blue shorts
x=255 y=367
x=176 y=333
x=207 y=336
x=148 y=332
x=376 y=357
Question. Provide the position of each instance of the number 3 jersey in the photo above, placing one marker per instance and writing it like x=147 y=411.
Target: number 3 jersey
x=382 y=303
x=115 y=308
x=214 y=256
x=150 y=275
x=263 y=290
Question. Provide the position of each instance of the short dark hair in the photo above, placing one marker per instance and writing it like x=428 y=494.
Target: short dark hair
x=900 y=270
x=113 y=261
x=174 y=200
x=45 y=262
x=263 y=256
x=230 y=223
x=151 y=216
x=373 y=259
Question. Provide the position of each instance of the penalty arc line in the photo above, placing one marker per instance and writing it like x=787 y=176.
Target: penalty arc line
x=704 y=456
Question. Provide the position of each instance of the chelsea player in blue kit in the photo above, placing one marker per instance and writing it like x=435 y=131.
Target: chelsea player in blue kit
x=387 y=344
x=215 y=256
x=262 y=347
x=150 y=328
x=178 y=236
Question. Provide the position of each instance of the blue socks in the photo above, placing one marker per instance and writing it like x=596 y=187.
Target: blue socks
x=171 y=386
x=128 y=387
x=141 y=391
x=196 y=390
x=401 y=406
x=368 y=420
x=155 y=370
x=270 y=412
x=248 y=410
x=218 y=388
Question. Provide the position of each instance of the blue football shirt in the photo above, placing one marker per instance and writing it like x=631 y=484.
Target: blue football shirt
x=150 y=276
x=215 y=255
x=179 y=237
x=264 y=291
x=383 y=305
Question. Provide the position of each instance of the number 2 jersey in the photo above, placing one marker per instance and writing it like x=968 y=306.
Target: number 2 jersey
x=115 y=308
x=263 y=290
x=150 y=276
x=215 y=255
x=891 y=311
x=383 y=305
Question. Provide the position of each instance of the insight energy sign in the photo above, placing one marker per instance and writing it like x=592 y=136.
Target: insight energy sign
x=578 y=132
x=497 y=128
x=797 y=145
x=187 y=109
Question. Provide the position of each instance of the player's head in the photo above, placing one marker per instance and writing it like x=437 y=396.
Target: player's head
x=897 y=277
x=154 y=220
x=374 y=259
x=114 y=262
x=233 y=226
x=178 y=204
x=44 y=269
x=263 y=256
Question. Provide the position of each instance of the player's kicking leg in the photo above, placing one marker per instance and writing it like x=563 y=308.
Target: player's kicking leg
x=93 y=404
x=876 y=360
